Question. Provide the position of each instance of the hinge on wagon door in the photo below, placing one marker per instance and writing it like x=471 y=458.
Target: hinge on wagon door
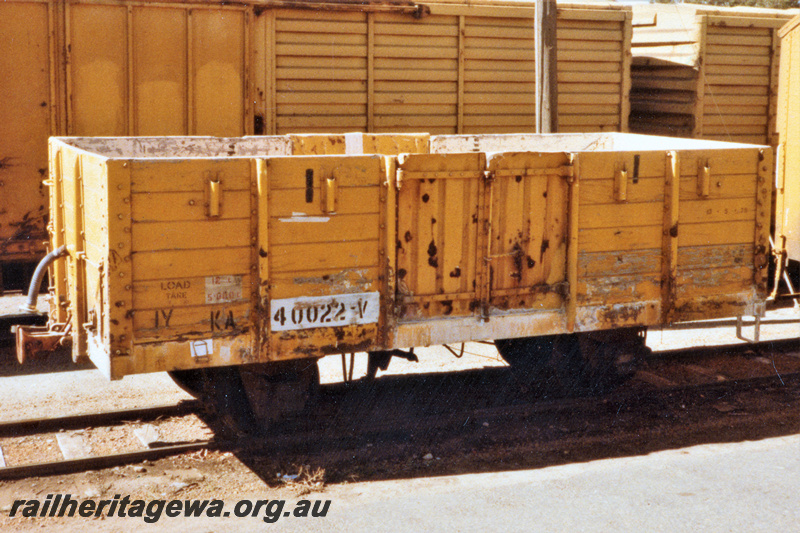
x=565 y=171
x=569 y=172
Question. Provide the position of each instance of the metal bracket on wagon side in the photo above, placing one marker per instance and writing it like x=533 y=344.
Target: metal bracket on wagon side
x=758 y=313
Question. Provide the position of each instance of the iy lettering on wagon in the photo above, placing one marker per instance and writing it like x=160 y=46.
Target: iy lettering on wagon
x=162 y=317
x=219 y=320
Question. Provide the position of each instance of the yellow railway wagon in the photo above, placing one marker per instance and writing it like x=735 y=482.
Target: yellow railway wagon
x=594 y=68
x=706 y=72
x=118 y=67
x=189 y=253
x=788 y=183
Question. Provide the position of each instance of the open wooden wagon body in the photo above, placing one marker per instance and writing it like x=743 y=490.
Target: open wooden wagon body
x=186 y=252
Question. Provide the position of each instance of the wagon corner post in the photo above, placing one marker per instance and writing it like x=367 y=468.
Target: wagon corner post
x=113 y=318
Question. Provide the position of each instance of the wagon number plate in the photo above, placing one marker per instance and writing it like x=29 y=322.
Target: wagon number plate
x=308 y=312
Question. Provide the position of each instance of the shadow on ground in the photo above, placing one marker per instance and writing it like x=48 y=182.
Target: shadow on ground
x=58 y=361
x=482 y=421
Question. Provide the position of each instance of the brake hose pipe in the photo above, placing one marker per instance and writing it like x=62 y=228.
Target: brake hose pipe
x=38 y=274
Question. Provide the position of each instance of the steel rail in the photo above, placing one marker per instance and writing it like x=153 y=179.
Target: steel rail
x=31 y=426
x=781 y=346
x=101 y=461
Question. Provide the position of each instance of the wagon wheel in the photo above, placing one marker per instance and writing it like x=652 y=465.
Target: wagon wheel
x=583 y=365
x=574 y=364
x=279 y=390
x=249 y=398
x=608 y=358
x=191 y=381
x=220 y=389
x=550 y=365
x=529 y=359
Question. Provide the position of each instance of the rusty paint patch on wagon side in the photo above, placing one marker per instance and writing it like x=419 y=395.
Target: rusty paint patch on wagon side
x=591 y=318
x=715 y=306
x=317 y=342
x=30 y=228
x=345 y=281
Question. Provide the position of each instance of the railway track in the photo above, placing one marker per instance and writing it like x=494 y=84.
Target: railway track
x=348 y=417
x=70 y=435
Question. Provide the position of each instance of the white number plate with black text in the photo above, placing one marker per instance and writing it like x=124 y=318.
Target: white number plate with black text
x=308 y=312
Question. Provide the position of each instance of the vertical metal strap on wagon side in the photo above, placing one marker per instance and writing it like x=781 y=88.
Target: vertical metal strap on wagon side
x=58 y=233
x=573 y=180
x=485 y=284
x=79 y=346
x=669 y=242
x=761 y=252
x=262 y=177
x=255 y=257
x=386 y=251
x=779 y=250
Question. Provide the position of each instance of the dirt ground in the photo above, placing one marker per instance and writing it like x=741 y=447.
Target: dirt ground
x=232 y=476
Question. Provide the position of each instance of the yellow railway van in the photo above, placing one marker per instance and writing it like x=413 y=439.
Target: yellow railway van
x=190 y=254
x=706 y=72
x=194 y=67
x=787 y=217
